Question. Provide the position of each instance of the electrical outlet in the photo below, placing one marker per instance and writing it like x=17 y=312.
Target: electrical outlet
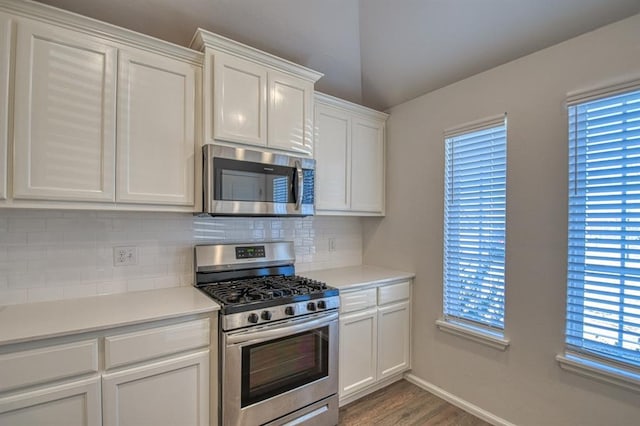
x=332 y=244
x=125 y=256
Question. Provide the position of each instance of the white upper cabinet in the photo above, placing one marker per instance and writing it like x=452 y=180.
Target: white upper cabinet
x=103 y=117
x=333 y=153
x=350 y=155
x=240 y=107
x=290 y=113
x=5 y=57
x=64 y=133
x=254 y=98
x=367 y=165
x=156 y=129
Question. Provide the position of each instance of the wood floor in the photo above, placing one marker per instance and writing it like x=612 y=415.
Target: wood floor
x=405 y=404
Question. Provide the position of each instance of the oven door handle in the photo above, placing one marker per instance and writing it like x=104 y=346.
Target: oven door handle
x=253 y=337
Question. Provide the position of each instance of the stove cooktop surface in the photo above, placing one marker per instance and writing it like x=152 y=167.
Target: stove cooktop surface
x=262 y=292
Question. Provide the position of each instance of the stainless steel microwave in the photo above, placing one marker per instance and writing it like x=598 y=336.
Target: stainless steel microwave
x=243 y=182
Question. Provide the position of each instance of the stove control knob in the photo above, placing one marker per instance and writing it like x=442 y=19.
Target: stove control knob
x=266 y=315
x=289 y=310
x=322 y=304
x=311 y=306
x=253 y=318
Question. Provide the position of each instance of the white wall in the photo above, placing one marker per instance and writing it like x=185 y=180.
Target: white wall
x=523 y=385
x=53 y=254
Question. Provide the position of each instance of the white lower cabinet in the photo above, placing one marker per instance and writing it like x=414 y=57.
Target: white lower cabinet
x=358 y=351
x=393 y=330
x=146 y=375
x=375 y=330
x=71 y=404
x=170 y=392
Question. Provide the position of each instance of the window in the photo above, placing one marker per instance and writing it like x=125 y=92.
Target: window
x=474 y=230
x=603 y=272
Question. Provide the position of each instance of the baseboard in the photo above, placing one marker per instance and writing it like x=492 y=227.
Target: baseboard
x=458 y=402
x=377 y=386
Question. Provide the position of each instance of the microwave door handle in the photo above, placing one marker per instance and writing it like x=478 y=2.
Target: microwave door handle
x=254 y=337
x=300 y=179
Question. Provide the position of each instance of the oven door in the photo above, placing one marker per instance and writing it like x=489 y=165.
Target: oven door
x=269 y=372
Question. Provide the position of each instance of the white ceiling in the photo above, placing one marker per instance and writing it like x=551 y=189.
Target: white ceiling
x=376 y=52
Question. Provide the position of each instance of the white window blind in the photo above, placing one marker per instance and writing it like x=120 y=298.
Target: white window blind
x=474 y=224
x=603 y=278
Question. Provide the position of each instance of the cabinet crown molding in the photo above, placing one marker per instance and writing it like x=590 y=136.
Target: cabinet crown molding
x=49 y=14
x=332 y=101
x=204 y=39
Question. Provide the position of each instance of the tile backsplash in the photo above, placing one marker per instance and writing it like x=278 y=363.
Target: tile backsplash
x=53 y=254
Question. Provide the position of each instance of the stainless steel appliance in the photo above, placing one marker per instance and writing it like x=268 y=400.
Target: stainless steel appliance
x=278 y=336
x=242 y=182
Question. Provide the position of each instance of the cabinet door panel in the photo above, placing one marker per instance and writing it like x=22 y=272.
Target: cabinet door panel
x=5 y=52
x=64 y=115
x=358 y=351
x=73 y=404
x=332 y=143
x=240 y=100
x=171 y=392
x=393 y=339
x=367 y=166
x=156 y=123
x=290 y=113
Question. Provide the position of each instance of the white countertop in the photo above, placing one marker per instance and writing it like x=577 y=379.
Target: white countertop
x=29 y=321
x=352 y=277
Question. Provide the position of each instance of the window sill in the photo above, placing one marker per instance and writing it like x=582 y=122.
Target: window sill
x=478 y=335
x=598 y=370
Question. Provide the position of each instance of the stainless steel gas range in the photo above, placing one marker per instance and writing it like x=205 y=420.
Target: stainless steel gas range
x=278 y=336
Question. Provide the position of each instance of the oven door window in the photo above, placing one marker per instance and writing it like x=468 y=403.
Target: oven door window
x=246 y=181
x=273 y=367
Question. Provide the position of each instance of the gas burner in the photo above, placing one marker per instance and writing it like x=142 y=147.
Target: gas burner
x=257 y=284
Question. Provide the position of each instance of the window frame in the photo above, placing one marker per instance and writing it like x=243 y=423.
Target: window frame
x=457 y=325
x=577 y=358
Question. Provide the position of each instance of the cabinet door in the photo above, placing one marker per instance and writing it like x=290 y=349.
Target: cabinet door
x=290 y=115
x=332 y=149
x=64 y=137
x=72 y=404
x=5 y=52
x=169 y=392
x=367 y=166
x=156 y=127
x=393 y=339
x=358 y=351
x=239 y=100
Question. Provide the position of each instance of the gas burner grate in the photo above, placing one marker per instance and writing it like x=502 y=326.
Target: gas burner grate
x=281 y=287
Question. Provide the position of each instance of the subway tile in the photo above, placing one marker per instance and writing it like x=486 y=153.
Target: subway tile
x=141 y=284
x=13 y=297
x=12 y=238
x=44 y=294
x=111 y=287
x=25 y=224
x=70 y=253
x=81 y=290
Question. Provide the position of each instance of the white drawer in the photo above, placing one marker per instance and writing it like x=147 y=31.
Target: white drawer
x=26 y=368
x=393 y=293
x=357 y=300
x=156 y=342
